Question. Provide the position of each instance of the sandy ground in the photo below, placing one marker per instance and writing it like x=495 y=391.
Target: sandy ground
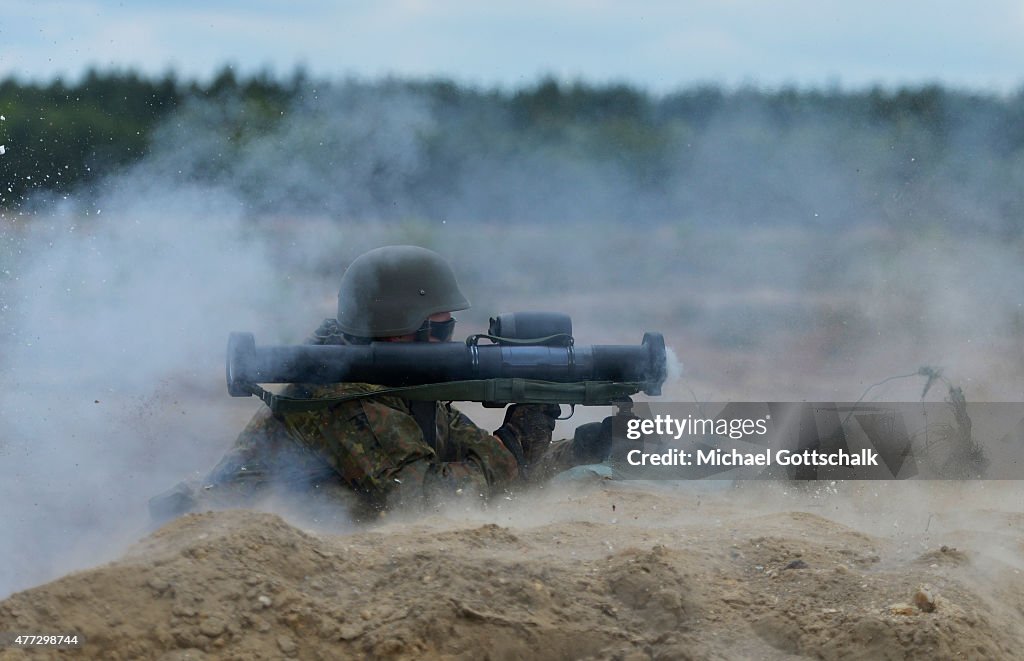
x=604 y=570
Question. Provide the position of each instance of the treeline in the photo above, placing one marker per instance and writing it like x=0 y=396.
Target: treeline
x=58 y=136
x=548 y=151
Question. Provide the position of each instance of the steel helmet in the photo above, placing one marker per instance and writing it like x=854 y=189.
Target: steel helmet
x=392 y=290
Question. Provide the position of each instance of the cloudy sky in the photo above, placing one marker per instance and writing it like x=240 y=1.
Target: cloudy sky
x=660 y=45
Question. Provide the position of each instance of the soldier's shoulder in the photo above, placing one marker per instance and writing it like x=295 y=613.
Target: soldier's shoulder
x=352 y=398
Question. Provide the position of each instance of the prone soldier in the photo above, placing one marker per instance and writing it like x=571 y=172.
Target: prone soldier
x=380 y=452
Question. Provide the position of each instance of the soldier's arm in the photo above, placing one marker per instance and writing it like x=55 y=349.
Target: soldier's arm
x=377 y=447
x=542 y=457
x=241 y=475
x=247 y=467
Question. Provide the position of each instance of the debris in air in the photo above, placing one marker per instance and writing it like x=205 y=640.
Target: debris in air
x=3 y=150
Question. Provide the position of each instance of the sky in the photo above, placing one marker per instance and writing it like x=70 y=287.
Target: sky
x=658 y=45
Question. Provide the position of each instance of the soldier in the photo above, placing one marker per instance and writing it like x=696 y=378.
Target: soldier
x=382 y=452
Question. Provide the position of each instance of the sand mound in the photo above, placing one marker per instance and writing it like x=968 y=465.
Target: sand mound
x=618 y=572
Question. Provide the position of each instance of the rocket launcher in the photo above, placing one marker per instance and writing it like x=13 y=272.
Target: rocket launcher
x=528 y=357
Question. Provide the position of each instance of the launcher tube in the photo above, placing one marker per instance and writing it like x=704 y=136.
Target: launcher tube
x=407 y=364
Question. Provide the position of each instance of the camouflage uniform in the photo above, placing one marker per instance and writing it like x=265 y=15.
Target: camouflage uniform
x=378 y=447
x=386 y=450
x=373 y=446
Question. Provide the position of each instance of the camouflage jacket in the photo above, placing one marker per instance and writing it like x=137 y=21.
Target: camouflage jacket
x=388 y=450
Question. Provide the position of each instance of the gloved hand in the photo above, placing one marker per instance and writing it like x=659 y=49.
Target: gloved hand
x=595 y=442
x=592 y=442
x=527 y=429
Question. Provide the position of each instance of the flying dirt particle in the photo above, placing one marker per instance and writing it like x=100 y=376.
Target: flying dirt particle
x=925 y=598
x=264 y=601
x=796 y=564
x=3 y=150
x=95 y=401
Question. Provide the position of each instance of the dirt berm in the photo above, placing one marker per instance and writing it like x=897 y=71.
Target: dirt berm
x=615 y=571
